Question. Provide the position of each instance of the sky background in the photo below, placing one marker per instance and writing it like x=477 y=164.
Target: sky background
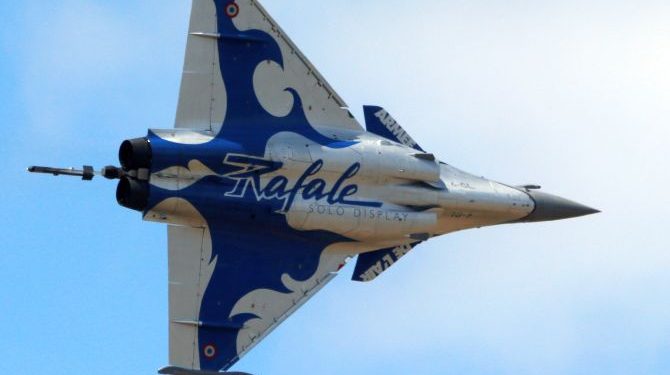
x=572 y=95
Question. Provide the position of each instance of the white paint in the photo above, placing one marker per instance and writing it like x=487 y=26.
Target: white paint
x=392 y=125
x=385 y=263
x=185 y=136
x=320 y=101
x=178 y=178
x=270 y=87
x=273 y=307
x=190 y=270
x=202 y=97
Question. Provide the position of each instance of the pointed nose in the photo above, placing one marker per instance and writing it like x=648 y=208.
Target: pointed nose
x=551 y=207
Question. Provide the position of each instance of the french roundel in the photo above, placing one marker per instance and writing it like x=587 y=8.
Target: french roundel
x=232 y=10
x=209 y=351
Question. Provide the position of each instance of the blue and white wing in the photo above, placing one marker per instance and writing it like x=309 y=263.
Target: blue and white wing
x=231 y=282
x=230 y=287
x=236 y=57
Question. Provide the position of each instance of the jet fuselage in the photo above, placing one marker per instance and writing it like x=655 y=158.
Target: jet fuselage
x=363 y=187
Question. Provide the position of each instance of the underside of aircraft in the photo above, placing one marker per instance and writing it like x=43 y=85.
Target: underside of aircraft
x=269 y=186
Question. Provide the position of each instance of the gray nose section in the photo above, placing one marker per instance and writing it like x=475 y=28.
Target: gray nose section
x=551 y=207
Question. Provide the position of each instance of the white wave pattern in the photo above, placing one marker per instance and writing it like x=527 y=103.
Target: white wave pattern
x=320 y=107
x=270 y=81
x=178 y=178
x=272 y=307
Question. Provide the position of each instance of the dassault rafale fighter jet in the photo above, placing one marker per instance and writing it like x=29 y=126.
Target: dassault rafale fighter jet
x=269 y=186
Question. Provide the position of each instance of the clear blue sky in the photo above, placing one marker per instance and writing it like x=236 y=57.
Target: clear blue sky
x=573 y=95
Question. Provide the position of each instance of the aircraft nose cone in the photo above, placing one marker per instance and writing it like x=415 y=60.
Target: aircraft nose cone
x=551 y=207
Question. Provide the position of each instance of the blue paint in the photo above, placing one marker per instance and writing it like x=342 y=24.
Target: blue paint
x=253 y=245
x=376 y=125
x=307 y=186
x=380 y=260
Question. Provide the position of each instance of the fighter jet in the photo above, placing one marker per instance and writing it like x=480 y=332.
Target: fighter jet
x=269 y=186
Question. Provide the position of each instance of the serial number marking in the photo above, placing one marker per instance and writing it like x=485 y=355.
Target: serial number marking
x=460 y=215
x=463 y=185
